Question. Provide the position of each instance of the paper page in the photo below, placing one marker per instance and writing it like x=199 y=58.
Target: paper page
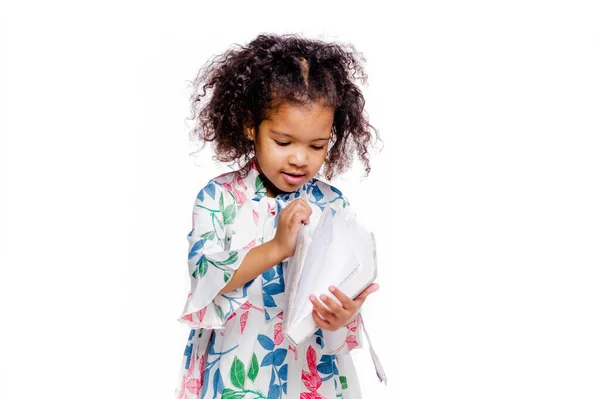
x=294 y=270
x=329 y=261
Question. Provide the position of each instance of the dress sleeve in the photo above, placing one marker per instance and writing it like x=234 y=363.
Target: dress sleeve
x=210 y=264
x=344 y=339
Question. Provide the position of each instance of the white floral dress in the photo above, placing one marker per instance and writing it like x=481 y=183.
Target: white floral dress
x=236 y=348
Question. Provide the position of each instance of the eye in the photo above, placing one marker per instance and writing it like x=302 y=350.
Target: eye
x=281 y=143
x=317 y=147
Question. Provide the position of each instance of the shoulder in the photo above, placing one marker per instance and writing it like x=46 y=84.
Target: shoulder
x=226 y=178
x=215 y=187
x=229 y=188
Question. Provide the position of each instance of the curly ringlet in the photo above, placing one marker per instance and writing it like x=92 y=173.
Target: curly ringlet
x=241 y=87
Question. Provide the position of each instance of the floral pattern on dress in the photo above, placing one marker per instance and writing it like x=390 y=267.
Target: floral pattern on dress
x=236 y=348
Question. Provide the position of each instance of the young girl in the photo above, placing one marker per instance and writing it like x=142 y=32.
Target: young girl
x=282 y=107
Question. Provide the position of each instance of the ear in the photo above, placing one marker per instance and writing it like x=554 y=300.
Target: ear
x=250 y=133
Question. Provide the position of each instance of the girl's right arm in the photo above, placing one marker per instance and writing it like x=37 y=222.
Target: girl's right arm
x=263 y=257
x=214 y=270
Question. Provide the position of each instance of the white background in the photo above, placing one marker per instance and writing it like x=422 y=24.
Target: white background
x=485 y=198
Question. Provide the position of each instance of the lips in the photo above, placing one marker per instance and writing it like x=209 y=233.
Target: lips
x=293 y=178
x=295 y=174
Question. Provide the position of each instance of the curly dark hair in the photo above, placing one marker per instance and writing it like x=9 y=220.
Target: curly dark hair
x=239 y=88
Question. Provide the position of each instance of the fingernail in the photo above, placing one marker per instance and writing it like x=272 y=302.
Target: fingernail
x=332 y=288
x=323 y=297
x=312 y=298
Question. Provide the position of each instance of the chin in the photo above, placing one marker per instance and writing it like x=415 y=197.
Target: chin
x=287 y=188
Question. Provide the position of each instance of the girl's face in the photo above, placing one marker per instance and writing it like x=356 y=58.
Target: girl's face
x=291 y=145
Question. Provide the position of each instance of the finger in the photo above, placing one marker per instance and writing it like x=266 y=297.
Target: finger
x=346 y=301
x=306 y=206
x=321 y=323
x=297 y=221
x=300 y=201
x=302 y=216
x=290 y=208
x=322 y=309
x=335 y=307
x=340 y=314
x=302 y=204
x=366 y=292
x=285 y=215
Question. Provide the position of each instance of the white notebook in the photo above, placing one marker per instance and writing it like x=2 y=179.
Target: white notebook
x=342 y=253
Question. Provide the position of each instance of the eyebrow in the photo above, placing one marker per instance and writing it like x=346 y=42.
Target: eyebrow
x=289 y=135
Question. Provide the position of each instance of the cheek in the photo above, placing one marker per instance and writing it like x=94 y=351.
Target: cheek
x=272 y=154
x=266 y=149
x=277 y=152
x=321 y=156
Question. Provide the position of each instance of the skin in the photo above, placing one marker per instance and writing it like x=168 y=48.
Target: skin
x=294 y=140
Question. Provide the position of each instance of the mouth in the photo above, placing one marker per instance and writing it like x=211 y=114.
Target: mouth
x=293 y=178
x=295 y=174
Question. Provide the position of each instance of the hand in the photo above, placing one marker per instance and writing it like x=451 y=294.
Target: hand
x=335 y=315
x=291 y=219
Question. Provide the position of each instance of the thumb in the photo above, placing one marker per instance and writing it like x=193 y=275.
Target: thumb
x=367 y=291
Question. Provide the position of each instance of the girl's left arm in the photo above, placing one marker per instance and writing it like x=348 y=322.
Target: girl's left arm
x=341 y=322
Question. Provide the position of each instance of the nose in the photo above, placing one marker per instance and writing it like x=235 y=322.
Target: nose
x=299 y=157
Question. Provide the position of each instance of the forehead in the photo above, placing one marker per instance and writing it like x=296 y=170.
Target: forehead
x=301 y=120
